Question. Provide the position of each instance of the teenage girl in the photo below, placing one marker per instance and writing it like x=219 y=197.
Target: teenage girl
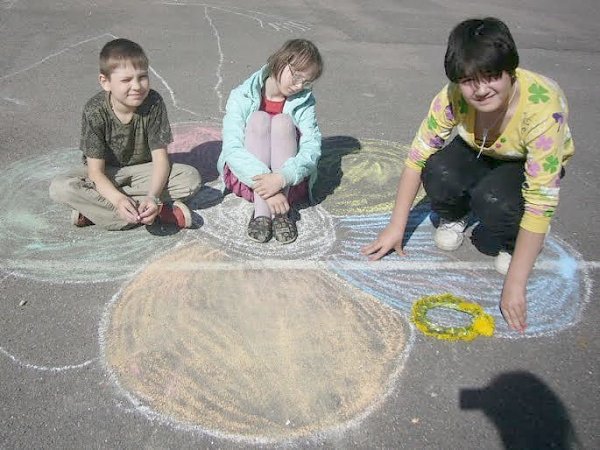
x=271 y=140
x=505 y=165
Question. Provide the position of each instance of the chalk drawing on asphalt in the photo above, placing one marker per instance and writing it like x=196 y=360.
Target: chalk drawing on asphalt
x=558 y=289
x=27 y=260
x=45 y=368
x=39 y=242
x=264 y=20
x=254 y=356
x=57 y=53
x=363 y=174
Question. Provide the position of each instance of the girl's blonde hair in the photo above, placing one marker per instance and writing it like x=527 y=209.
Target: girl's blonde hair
x=301 y=54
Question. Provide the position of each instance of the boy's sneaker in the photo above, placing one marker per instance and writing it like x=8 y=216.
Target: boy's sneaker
x=502 y=262
x=450 y=234
x=79 y=220
x=177 y=214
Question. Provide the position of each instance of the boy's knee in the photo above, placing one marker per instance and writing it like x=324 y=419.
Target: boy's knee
x=58 y=188
x=195 y=180
x=188 y=177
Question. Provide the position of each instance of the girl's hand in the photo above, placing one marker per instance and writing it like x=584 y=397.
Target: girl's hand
x=278 y=204
x=127 y=209
x=268 y=184
x=390 y=238
x=513 y=305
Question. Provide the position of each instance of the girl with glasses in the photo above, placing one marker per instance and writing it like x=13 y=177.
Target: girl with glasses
x=271 y=140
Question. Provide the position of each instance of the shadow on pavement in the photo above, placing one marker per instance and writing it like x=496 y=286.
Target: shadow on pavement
x=526 y=412
x=329 y=168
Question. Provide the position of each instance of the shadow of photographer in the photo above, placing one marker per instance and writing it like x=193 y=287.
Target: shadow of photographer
x=526 y=412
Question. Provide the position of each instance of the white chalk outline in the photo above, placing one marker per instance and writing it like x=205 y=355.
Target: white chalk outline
x=60 y=52
x=217 y=87
x=14 y=100
x=303 y=264
x=45 y=368
x=85 y=41
x=373 y=266
x=171 y=93
x=279 y=22
x=287 y=25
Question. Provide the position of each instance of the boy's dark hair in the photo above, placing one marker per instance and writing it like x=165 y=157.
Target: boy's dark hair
x=480 y=47
x=301 y=54
x=117 y=52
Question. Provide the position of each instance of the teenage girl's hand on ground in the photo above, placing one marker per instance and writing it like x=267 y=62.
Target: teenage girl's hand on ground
x=513 y=305
x=268 y=184
x=127 y=209
x=147 y=211
x=390 y=238
x=278 y=204
x=513 y=302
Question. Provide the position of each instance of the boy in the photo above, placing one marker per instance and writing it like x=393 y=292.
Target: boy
x=124 y=137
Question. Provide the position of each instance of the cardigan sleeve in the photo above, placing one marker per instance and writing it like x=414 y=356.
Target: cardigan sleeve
x=434 y=130
x=545 y=138
x=305 y=162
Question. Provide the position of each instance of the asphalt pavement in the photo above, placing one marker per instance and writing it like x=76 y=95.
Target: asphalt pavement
x=72 y=301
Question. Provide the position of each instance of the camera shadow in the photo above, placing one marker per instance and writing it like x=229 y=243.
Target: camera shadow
x=526 y=412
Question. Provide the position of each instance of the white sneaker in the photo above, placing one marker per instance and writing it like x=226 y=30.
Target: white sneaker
x=502 y=262
x=449 y=235
x=503 y=259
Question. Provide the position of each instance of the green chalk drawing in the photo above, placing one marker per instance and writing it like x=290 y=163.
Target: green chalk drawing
x=39 y=241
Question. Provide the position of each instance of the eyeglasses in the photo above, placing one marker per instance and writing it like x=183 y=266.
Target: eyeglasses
x=300 y=80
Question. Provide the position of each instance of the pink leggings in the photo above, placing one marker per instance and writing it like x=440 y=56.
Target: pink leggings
x=273 y=140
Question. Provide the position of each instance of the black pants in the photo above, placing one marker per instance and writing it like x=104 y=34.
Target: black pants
x=457 y=182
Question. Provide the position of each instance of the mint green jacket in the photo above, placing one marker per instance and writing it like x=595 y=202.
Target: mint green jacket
x=242 y=102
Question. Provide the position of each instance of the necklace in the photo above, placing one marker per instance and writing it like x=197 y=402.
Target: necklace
x=487 y=129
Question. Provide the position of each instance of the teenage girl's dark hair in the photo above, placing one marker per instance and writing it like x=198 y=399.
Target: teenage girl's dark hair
x=118 y=52
x=301 y=54
x=480 y=48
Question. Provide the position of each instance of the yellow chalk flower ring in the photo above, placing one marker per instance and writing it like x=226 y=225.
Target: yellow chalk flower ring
x=481 y=325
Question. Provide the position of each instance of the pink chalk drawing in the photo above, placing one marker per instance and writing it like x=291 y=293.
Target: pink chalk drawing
x=198 y=145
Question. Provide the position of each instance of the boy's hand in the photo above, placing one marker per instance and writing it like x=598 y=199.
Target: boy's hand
x=148 y=209
x=390 y=238
x=127 y=209
x=268 y=184
x=278 y=204
x=513 y=305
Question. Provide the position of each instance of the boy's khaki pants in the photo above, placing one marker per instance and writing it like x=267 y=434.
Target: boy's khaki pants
x=78 y=191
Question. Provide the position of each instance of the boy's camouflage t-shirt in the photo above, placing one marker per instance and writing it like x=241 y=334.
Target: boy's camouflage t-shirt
x=103 y=136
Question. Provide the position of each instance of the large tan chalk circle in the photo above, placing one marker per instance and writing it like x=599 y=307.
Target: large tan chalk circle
x=250 y=352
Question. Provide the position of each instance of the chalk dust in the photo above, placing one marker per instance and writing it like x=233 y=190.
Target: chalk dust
x=369 y=166
x=255 y=353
